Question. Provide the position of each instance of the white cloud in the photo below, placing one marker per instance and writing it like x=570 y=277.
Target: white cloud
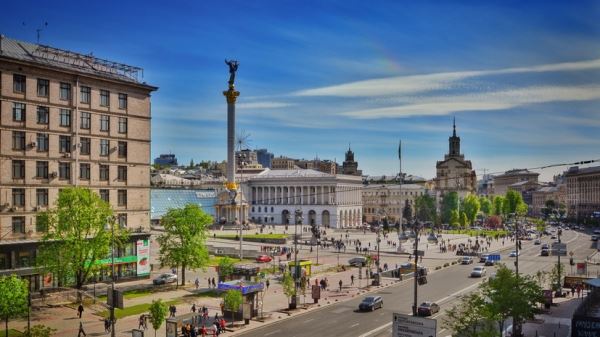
x=427 y=82
x=498 y=100
x=262 y=105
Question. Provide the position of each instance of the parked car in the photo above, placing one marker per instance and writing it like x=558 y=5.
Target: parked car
x=545 y=252
x=165 y=278
x=359 y=261
x=594 y=237
x=537 y=242
x=478 y=271
x=264 y=259
x=514 y=253
x=483 y=257
x=371 y=303
x=408 y=267
x=466 y=260
x=596 y=231
x=427 y=308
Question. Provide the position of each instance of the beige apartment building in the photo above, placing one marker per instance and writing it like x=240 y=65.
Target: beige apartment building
x=68 y=119
x=388 y=201
x=583 y=192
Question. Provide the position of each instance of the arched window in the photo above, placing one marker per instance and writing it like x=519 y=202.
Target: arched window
x=253 y=210
x=272 y=212
x=259 y=209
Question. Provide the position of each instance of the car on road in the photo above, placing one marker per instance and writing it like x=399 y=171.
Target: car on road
x=545 y=246
x=427 y=308
x=594 y=237
x=478 y=271
x=264 y=259
x=596 y=231
x=165 y=278
x=359 y=261
x=408 y=267
x=483 y=257
x=545 y=252
x=553 y=237
x=537 y=242
x=514 y=253
x=370 y=303
x=466 y=260
x=489 y=262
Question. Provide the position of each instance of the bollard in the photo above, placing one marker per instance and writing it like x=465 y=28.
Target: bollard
x=536 y=333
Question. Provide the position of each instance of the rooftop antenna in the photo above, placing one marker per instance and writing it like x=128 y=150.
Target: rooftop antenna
x=39 y=30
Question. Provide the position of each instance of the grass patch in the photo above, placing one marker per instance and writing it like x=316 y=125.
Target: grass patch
x=256 y=236
x=131 y=294
x=210 y=293
x=13 y=333
x=134 y=310
x=483 y=232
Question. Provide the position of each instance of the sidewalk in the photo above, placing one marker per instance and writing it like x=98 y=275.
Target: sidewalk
x=556 y=322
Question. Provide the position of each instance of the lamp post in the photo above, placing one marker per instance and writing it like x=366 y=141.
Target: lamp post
x=298 y=220
x=416 y=272
x=112 y=283
x=516 y=328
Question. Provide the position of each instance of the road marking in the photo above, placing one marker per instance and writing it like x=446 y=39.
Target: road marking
x=355 y=324
x=368 y=333
x=308 y=320
x=458 y=292
x=272 y=332
x=442 y=330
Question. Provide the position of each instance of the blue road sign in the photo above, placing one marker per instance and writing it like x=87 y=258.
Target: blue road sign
x=494 y=257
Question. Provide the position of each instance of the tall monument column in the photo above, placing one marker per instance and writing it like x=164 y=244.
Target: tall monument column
x=231 y=96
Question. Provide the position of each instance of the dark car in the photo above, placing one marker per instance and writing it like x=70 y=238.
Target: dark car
x=545 y=252
x=370 y=303
x=428 y=309
x=489 y=262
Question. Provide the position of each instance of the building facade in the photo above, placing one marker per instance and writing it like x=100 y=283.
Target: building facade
x=539 y=197
x=350 y=166
x=328 y=200
x=583 y=191
x=69 y=119
x=283 y=163
x=454 y=173
x=503 y=182
x=388 y=201
x=264 y=158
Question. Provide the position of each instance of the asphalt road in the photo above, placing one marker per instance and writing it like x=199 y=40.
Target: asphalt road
x=443 y=287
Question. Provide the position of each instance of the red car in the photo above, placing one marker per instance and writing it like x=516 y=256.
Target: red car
x=264 y=258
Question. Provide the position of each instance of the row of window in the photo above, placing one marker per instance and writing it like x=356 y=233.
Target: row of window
x=18 y=224
x=64 y=144
x=43 y=116
x=18 y=197
x=43 y=90
x=64 y=171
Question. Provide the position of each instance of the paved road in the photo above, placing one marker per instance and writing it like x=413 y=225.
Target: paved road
x=443 y=287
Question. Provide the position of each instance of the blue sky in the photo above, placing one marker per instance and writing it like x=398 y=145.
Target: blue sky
x=522 y=78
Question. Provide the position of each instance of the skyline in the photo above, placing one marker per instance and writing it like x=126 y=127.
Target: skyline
x=521 y=79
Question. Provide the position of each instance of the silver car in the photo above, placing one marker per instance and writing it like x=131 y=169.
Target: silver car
x=478 y=272
x=165 y=278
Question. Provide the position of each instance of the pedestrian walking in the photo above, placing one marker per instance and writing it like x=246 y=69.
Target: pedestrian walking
x=194 y=308
x=340 y=283
x=197 y=283
x=106 y=325
x=80 y=310
x=352 y=279
x=81 y=331
x=141 y=322
x=214 y=284
x=267 y=283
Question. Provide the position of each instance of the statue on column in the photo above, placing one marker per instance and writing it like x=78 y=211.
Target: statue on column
x=233 y=66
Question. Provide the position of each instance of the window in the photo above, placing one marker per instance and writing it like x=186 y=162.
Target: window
x=86 y=95
x=41 y=169
x=18 y=224
x=42 y=196
x=122 y=173
x=104 y=123
x=86 y=120
x=64 y=144
x=18 y=112
x=64 y=170
x=122 y=125
x=18 y=197
x=122 y=200
x=84 y=171
x=18 y=169
x=104 y=172
x=104 y=98
x=122 y=101
x=65 y=117
x=122 y=219
x=41 y=226
x=43 y=113
x=105 y=195
x=65 y=91
x=85 y=144
x=18 y=83
x=104 y=147
x=43 y=87
x=123 y=149
x=42 y=142
x=18 y=140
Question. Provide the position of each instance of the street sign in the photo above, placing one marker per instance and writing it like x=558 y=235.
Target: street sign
x=494 y=257
x=420 y=253
x=413 y=326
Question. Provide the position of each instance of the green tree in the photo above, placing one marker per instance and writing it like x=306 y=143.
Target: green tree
x=226 y=266
x=510 y=295
x=158 y=313
x=76 y=236
x=471 y=207
x=486 y=205
x=550 y=204
x=463 y=220
x=232 y=299
x=454 y=218
x=470 y=318
x=449 y=204
x=425 y=208
x=14 y=294
x=287 y=282
x=183 y=242
x=556 y=275
x=407 y=212
x=39 y=330
x=513 y=203
x=498 y=204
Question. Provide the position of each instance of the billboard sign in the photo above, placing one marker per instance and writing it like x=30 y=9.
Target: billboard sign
x=143 y=257
x=413 y=326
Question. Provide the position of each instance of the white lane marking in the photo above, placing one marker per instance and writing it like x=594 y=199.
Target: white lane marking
x=458 y=292
x=355 y=324
x=368 y=333
x=442 y=330
x=272 y=332
x=308 y=320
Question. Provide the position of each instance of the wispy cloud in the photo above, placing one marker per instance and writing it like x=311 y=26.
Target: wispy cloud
x=435 y=81
x=496 y=100
x=263 y=105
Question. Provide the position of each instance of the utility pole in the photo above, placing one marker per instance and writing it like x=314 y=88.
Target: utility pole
x=516 y=328
x=416 y=272
x=298 y=218
x=112 y=284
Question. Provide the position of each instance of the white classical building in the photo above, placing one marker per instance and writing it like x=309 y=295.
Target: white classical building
x=324 y=199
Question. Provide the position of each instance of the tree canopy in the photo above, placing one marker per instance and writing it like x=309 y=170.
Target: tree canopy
x=425 y=209
x=498 y=204
x=14 y=294
x=469 y=318
x=77 y=236
x=232 y=299
x=486 y=205
x=183 y=242
x=449 y=204
x=158 y=312
x=471 y=207
x=226 y=266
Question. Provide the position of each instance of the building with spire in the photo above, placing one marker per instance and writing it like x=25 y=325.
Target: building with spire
x=349 y=166
x=454 y=173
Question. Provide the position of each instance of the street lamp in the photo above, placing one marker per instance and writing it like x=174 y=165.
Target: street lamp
x=112 y=283
x=416 y=229
x=298 y=220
